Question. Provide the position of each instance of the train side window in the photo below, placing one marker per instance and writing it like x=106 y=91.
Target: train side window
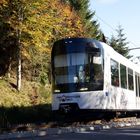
x=139 y=85
x=130 y=79
x=123 y=75
x=114 y=73
x=136 y=84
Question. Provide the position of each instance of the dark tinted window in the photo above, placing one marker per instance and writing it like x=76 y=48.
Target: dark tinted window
x=137 y=84
x=114 y=73
x=130 y=79
x=123 y=76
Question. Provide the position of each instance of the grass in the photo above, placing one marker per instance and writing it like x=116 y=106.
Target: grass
x=31 y=94
x=31 y=104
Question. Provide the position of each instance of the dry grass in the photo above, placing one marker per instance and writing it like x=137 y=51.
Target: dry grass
x=31 y=94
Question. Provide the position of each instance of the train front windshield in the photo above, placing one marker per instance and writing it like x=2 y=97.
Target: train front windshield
x=77 y=67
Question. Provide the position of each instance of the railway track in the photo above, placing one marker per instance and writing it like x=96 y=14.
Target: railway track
x=127 y=119
x=77 y=120
x=98 y=123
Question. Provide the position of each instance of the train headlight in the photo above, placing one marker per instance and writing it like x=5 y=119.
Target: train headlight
x=83 y=89
x=57 y=90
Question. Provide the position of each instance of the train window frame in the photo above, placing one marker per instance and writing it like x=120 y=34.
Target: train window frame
x=130 y=79
x=123 y=76
x=115 y=78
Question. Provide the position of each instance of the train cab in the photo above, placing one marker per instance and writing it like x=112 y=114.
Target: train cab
x=77 y=66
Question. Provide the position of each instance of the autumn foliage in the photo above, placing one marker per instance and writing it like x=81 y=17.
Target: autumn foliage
x=40 y=22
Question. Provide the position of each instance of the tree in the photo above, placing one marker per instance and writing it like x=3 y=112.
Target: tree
x=44 y=27
x=91 y=26
x=13 y=18
x=35 y=25
x=120 y=43
x=8 y=39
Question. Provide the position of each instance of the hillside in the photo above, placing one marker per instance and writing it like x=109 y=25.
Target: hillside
x=31 y=105
x=31 y=94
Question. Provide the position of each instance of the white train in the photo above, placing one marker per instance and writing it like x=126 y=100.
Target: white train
x=89 y=75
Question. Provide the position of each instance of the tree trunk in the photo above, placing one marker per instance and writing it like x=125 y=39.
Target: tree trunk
x=19 y=46
x=19 y=67
x=19 y=64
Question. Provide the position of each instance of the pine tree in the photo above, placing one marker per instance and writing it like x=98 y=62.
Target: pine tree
x=90 y=24
x=120 y=43
x=113 y=43
x=82 y=8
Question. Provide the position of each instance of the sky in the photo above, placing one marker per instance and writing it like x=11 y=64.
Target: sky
x=112 y=13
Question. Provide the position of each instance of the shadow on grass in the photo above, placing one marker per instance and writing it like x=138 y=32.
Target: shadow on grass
x=25 y=115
